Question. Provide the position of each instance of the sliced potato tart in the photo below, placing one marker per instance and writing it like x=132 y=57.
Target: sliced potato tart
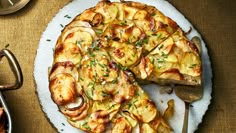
x=103 y=55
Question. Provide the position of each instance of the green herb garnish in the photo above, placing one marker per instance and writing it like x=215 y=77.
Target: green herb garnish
x=6 y=46
x=98 y=31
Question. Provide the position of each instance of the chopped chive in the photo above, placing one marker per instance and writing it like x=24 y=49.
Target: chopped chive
x=112 y=106
x=67 y=16
x=129 y=105
x=92 y=63
x=114 y=81
x=96 y=48
x=160 y=60
x=105 y=75
x=160 y=47
x=102 y=66
x=116 y=92
x=193 y=65
x=62 y=26
x=48 y=40
x=6 y=46
x=145 y=40
x=164 y=55
x=98 y=31
x=153 y=14
x=138 y=43
x=153 y=60
x=86 y=126
x=90 y=84
x=79 y=42
x=91 y=53
x=104 y=94
x=81 y=79
x=123 y=23
x=159 y=35
x=135 y=101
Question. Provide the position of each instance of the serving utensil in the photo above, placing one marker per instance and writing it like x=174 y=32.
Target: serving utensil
x=15 y=67
x=189 y=94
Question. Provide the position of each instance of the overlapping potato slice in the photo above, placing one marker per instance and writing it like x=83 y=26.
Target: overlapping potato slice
x=67 y=52
x=62 y=88
x=108 y=10
x=121 y=125
x=125 y=54
x=64 y=67
x=147 y=129
x=141 y=107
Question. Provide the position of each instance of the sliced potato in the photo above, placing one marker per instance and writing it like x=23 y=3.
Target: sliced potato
x=140 y=14
x=144 y=25
x=77 y=23
x=190 y=64
x=108 y=105
x=98 y=67
x=97 y=121
x=73 y=113
x=172 y=74
x=140 y=106
x=129 y=12
x=68 y=52
x=62 y=88
x=69 y=33
x=147 y=129
x=160 y=126
x=155 y=39
x=124 y=90
x=131 y=120
x=64 y=67
x=160 y=64
x=125 y=54
x=108 y=10
x=164 y=48
x=143 y=69
x=87 y=15
x=121 y=126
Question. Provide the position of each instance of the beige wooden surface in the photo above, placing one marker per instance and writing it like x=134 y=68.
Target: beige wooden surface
x=214 y=19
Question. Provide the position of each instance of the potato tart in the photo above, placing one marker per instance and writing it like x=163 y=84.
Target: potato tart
x=103 y=55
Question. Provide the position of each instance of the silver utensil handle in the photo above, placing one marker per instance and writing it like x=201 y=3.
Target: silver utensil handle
x=15 y=67
x=185 y=125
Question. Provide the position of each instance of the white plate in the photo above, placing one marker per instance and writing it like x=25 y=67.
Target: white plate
x=44 y=60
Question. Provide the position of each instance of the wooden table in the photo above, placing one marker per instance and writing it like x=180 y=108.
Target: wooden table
x=214 y=19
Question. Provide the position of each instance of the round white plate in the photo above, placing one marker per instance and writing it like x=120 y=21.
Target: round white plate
x=44 y=60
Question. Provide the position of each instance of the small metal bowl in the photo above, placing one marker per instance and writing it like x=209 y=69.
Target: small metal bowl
x=10 y=6
x=15 y=67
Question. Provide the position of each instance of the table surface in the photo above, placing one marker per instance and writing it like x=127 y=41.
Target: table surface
x=214 y=19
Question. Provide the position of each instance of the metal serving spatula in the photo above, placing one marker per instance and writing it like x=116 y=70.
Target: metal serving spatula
x=189 y=94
